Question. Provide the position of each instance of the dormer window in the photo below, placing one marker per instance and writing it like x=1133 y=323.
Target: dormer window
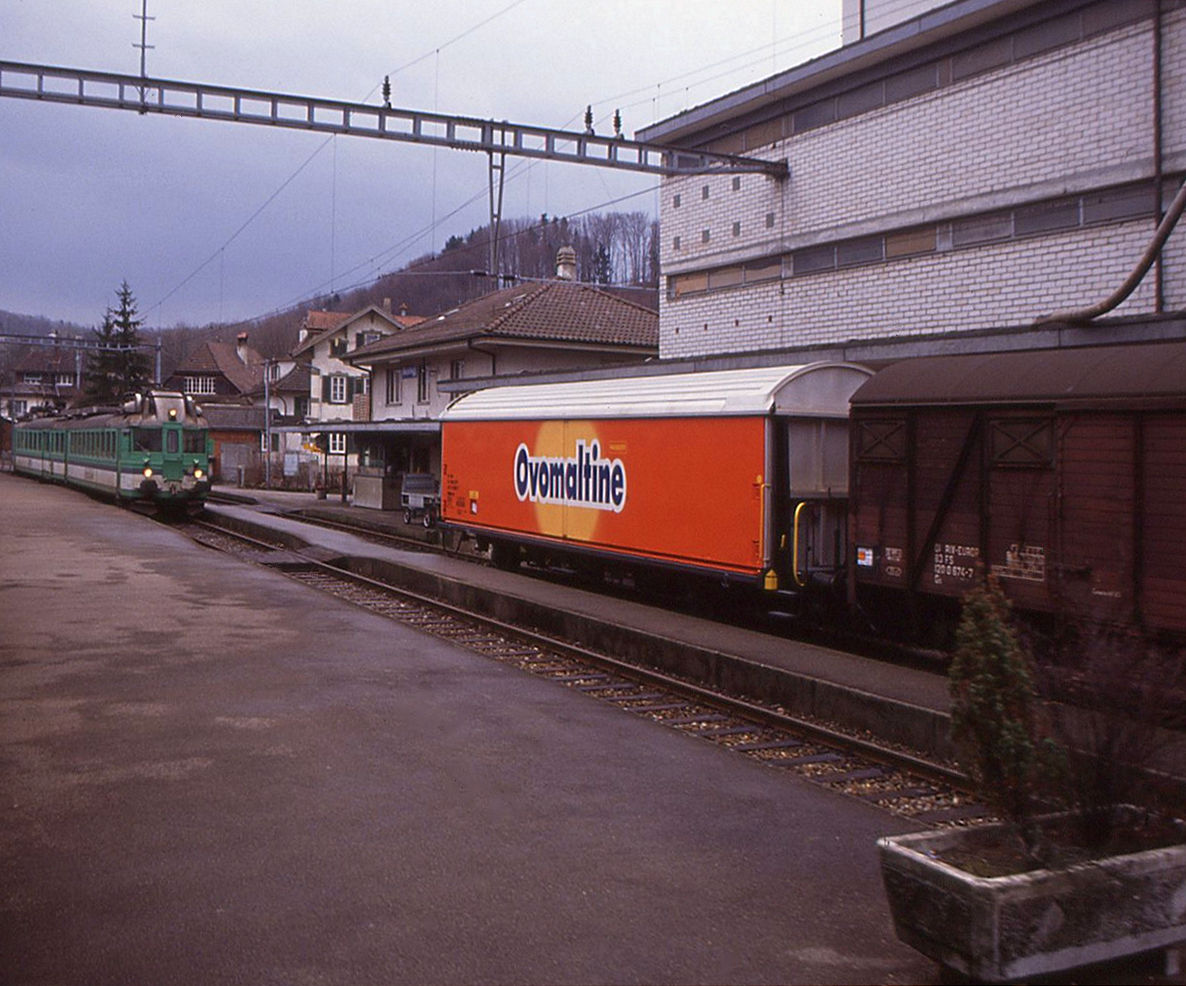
x=337 y=347
x=198 y=385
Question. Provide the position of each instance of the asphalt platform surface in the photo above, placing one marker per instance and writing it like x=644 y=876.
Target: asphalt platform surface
x=210 y=774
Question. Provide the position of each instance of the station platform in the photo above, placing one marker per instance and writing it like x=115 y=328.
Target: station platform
x=907 y=705
x=212 y=774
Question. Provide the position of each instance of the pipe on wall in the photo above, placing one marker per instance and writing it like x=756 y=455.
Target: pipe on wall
x=1151 y=254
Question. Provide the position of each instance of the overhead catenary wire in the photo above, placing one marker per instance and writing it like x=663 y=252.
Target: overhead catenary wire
x=801 y=41
x=284 y=184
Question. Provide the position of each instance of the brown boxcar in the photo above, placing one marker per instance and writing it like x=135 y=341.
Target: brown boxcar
x=1063 y=472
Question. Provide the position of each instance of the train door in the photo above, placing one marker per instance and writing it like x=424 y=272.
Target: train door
x=172 y=464
x=813 y=513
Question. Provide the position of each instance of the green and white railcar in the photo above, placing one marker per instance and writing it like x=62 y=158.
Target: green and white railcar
x=155 y=449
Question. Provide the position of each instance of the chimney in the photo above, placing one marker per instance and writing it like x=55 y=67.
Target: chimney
x=241 y=347
x=566 y=264
x=387 y=305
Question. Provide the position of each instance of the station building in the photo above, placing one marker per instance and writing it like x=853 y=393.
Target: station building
x=955 y=172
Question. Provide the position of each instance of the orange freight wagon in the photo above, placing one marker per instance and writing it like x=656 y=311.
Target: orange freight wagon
x=737 y=474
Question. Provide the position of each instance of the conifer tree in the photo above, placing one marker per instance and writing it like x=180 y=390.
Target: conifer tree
x=118 y=366
x=602 y=265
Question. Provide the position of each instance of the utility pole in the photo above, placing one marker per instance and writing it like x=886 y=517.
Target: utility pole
x=143 y=18
x=267 y=424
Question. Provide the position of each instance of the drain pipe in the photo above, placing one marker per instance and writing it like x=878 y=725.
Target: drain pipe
x=1152 y=251
x=1158 y=172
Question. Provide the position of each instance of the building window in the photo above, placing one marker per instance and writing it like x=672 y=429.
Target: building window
x=705 y=236
x=337 y=347
x=770 y=220
x=392 y=395
x=704 y=192
x=422 y=383
x=675 y=243
x=675 y=202
x=724 y=277
x=337 y=443
x=198 y=385
x=337 y=389
x=737 y=183
x=65 y=379
x=737 y=229
x=33 y=378
x=457 y=369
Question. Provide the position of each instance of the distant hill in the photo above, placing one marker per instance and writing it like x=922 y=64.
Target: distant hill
x=613 y=248
x=37 y=325
x=620 y=249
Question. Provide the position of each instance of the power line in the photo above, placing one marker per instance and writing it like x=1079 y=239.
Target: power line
x=319 y=149
x=802 y=41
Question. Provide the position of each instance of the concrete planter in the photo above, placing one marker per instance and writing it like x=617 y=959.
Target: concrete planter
x=1004 y=928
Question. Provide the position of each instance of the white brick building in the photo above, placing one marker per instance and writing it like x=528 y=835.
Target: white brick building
x=974 y=167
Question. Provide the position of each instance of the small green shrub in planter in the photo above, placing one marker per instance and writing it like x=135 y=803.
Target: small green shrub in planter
x=995 y=716
x=1032 y=896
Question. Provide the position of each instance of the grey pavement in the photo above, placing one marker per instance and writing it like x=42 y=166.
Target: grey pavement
x=210 y=774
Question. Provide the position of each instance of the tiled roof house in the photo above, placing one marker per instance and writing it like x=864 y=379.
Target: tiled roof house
x=220 y=371
x=531 y=328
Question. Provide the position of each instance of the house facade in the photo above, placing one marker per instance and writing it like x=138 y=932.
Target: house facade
x=44 y=377
x=219 y=372
x=339 y=391
x=222 y=376
x=973 y=166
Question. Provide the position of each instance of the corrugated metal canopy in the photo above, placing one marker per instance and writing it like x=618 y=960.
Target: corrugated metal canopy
x=815 y=389
x=1154 y=370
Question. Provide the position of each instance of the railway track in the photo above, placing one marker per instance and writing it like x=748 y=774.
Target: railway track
x=890 y=778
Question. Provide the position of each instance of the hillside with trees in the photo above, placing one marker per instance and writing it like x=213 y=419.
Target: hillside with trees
x=617 y=250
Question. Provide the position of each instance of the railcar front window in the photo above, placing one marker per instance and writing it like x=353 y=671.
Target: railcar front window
x=147 y=439
x=194 y=441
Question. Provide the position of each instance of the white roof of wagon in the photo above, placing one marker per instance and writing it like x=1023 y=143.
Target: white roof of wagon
x=813 y=389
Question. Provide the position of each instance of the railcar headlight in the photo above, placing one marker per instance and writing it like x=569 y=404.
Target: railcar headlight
x=148 y=472
x=198 y=473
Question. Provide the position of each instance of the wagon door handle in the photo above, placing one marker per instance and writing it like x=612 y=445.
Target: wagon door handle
x=795 y=546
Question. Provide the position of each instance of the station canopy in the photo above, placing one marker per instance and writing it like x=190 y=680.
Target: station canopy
x=811 y=390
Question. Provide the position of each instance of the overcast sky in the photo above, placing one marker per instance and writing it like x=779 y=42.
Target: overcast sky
x=90 y=197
